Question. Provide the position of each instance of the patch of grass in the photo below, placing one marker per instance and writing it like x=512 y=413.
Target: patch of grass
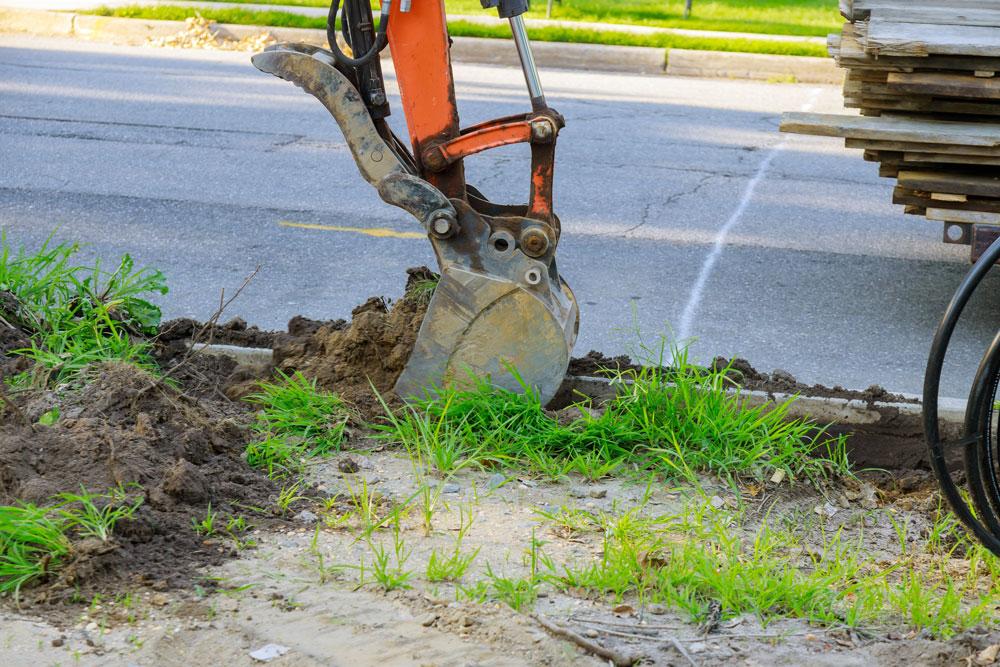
x=96 y=515
x=36 y=541
x=76 y=314
x=469 y=29
x=296 y=422
x=779 y=17
x=453 y=565
x=422 y=290
x=703 y=558
x=679 y=421
x=389 y=568
x=207 y=525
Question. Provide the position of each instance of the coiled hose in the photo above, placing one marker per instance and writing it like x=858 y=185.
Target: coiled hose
x=980 y=439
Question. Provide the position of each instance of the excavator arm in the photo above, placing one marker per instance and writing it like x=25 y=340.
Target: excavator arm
x=501 y=310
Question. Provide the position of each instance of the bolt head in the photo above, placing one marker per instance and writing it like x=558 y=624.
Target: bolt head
x=542 y=130
x=534 y=242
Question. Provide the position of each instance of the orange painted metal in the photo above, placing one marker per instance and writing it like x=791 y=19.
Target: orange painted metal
x=418 y=40
x=475 y=140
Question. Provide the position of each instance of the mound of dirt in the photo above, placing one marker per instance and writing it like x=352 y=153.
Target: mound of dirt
x=125 y=428
x=351 y=357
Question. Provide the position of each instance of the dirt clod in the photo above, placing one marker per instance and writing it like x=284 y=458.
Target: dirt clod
x=125 y=428
x=351 y=358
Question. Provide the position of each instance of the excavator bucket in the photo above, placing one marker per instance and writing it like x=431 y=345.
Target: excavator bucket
x=500 y=311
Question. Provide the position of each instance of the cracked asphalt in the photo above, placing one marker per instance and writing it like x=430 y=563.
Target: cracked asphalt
x=190 y=160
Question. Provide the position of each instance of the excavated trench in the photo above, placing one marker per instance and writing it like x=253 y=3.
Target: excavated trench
x=179 y=444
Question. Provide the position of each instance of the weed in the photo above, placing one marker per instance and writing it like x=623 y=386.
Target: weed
x=207 y=525
x=35 y=541
x=518 y=594
x=288 y=495
x=452 y=566
x=296 y=422
x=422 y=290
x=96 y=519
x=395 y=575
x=77 y=315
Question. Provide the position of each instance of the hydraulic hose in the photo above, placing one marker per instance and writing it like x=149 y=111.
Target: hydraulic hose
x=976 y=442
x=381 y=40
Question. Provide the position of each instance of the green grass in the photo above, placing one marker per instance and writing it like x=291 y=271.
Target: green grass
x=296 y=422
x=77 y=314
x=702 y=558
x=779 y=17
x=679 y=423
x=470 y=29
x=36 y=541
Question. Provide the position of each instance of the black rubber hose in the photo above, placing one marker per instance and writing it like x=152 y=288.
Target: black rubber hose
x=380 y=36
x=932 y=386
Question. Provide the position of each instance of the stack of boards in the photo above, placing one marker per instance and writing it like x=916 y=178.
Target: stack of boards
x=925 y=75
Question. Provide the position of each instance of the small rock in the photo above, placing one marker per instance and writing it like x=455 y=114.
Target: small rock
x=269 y=652
x=782 y=376
x=578 y=492
x=451 y=487
x=427 y=620
x=91 y=626
x=236 y=324
x=160 y=600
x=826 y=509
x=717 y=502
x=624 y=609
x=598 y=493
x=697 y=647
x=656 y=609
x=307 y=517
x=592 y=633
x=58 y=641
x=348 y=465
x=496 y=480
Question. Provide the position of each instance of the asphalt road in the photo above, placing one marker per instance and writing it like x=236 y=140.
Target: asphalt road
x=684 y=211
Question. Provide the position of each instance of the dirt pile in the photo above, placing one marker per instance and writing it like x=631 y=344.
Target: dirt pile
x=344 y=357
x=123 y=427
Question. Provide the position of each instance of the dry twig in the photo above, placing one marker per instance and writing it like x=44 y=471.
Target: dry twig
x=619 y=659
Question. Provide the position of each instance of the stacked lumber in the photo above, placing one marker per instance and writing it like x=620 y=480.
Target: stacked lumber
x=925 y=75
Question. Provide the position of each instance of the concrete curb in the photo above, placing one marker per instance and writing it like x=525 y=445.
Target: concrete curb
x=823 y=409
x=593 y=57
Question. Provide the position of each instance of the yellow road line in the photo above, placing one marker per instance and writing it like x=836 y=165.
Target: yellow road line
x=381 y=232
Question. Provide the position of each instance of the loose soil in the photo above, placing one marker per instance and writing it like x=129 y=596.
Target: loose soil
x=282 y=593
x=125 y=427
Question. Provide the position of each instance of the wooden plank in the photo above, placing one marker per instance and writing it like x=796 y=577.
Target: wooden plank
x=901 y=195
x=919 y=39
x=891 y=128
x=935 y=181
x=948 y=85
x=914 y=146
x=944 y=196
x=973 y=217
x=942 y=14
x=946 y=158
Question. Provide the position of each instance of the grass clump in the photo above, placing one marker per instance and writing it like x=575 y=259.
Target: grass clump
x=705 y=558
x=36 y=541
x=296 y=422
x=461 y=28
x=679 y=421
x=76 y=315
